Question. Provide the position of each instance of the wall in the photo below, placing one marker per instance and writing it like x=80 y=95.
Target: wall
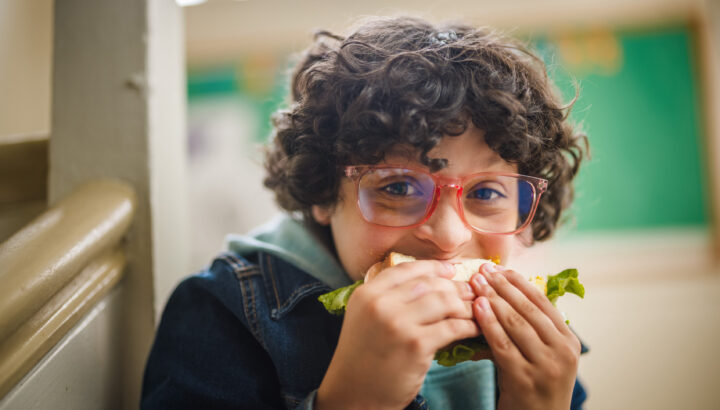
x=25 y=66
x=25 y=71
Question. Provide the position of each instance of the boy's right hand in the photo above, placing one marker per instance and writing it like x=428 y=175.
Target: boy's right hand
x=392 y=328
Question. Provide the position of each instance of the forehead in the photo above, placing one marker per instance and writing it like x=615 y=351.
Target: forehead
x=466 y=153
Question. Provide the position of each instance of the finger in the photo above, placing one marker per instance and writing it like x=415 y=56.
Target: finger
x=515 y=325
x=504 y=351
x=399 y=274
x=464 y=290
x=437 y=306
x=419 y=286
x=431 y=299
x=523 y=301
x=527 y=338
x=539 y=300
x=446 y=331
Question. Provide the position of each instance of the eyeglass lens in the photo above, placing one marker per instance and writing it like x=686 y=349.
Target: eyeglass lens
x=400 y=197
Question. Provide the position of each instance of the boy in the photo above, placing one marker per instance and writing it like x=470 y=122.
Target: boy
x=436 y=142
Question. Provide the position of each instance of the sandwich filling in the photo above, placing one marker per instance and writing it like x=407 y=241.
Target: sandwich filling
x=555 y=286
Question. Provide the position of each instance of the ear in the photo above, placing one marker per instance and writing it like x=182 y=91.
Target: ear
x=321 y=214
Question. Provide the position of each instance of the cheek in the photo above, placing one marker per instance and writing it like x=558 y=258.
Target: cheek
x=499 y=246
x=359 y=245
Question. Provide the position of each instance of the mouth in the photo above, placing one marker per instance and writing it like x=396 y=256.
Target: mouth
x=455 y=258
x=450 y=258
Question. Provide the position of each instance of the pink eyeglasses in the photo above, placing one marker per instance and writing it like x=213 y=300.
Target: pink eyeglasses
x=488 y=202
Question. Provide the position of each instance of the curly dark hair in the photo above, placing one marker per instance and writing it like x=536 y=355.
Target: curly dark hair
x=405 y=81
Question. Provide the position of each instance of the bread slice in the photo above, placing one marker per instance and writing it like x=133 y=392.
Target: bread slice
x=395 y=258
x=463 y=270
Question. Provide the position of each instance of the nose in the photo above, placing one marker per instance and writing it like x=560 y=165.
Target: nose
x=445 y=228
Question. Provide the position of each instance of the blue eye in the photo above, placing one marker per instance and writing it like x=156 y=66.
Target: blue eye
x=486 y=194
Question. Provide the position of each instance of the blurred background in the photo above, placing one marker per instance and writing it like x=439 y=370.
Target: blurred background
x=643 y=229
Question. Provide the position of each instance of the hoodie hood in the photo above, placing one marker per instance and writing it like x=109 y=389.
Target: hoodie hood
x=287 y=239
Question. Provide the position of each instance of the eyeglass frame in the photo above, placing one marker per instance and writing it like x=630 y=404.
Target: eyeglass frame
x=539 y=186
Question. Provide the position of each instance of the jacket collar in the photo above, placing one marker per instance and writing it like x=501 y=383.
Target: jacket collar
x=287 y=285
x=293 y=262
x=288 y=240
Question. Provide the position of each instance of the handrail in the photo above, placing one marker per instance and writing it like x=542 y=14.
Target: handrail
x=42 y=257
x=20 y=352
x=57 y=267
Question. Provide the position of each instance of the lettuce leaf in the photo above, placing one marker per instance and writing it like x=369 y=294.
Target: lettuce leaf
x=564 y=282
x=336 y=301
x=461 y=351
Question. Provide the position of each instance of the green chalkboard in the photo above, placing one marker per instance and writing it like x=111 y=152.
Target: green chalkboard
x=640 y=106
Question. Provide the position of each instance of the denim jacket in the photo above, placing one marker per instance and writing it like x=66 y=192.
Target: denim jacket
x=248 y=333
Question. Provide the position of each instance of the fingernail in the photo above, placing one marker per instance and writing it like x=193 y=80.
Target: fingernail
x=480 y=280
x=469 y=289
x=477 y=307
x=481 y=304
x=489 y=268
x=484 y=304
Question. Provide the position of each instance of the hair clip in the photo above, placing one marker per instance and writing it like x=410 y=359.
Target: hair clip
x=443 y=38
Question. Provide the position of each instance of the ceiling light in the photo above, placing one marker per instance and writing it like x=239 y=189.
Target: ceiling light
x=187 y=3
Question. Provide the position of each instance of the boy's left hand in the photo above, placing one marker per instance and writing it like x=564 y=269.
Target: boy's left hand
x=536 y=352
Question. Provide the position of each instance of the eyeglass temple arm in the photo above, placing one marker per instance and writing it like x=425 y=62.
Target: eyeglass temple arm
x=542 y=185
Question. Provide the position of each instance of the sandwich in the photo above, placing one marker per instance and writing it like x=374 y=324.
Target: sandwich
x=555 y=286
